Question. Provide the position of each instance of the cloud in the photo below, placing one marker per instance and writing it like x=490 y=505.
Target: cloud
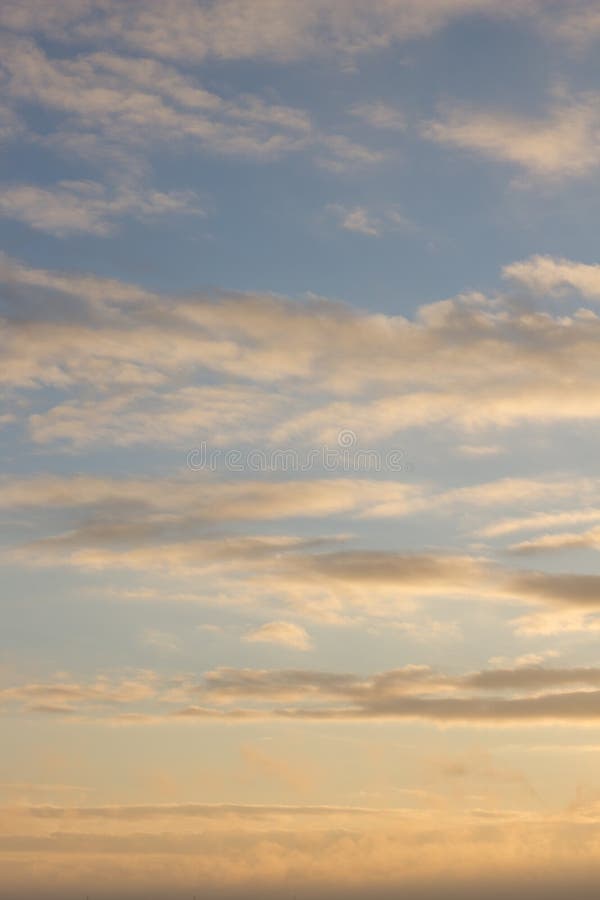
x=476 y=451
x=11 y=125
x=147 y=355
x=556 y=621
x=287 y=634
x=87 y=207
x=361 y=221
x=562 y=541
x=340 y=154
x=282 y=30
x=555 y=708
x=91 y=292
x=62 y=696
x=578 y=24
x=547 y=275
x=103 y=499
x=380 y=115
x=567 y=588
x=422 y=629
x=302 y=575
x=564 y=143
x=155 y=416
x=534 y=678
x=173 y=528
x=285 y=686
x=357 y=219
x=171 y=507
x=200 y=810
x=541 y=520
x=526 y=659
x=179 y=528
x=528 y=694
x=107 y=107
x=226 y=685
x=162 y=641
x=128 y=851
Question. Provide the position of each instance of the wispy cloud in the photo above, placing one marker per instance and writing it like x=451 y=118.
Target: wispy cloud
x=108 y=107
x=371 y=374
x=287 y=634
x=380 y=115
x=238 y=29
x=563 y=143
x=163 y=641
x=361 y=221
x=72 y=207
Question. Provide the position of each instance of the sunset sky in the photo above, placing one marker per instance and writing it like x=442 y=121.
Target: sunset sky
x=300 y=421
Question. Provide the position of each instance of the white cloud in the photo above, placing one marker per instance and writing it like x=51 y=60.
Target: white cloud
x=335 y=368
x=527 y=659
x=287 y=634
x=551 y=543
x=86 y=206
x=541 y=520
x=557 y=622
x=549 y=275
x=565 y=142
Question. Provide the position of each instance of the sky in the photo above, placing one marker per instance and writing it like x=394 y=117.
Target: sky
x=299 y=423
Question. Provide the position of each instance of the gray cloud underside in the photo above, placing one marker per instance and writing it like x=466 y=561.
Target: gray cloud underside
x=411 y=693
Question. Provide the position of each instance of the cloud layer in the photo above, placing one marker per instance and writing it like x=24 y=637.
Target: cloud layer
x=526 y=694
x=468 y=362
